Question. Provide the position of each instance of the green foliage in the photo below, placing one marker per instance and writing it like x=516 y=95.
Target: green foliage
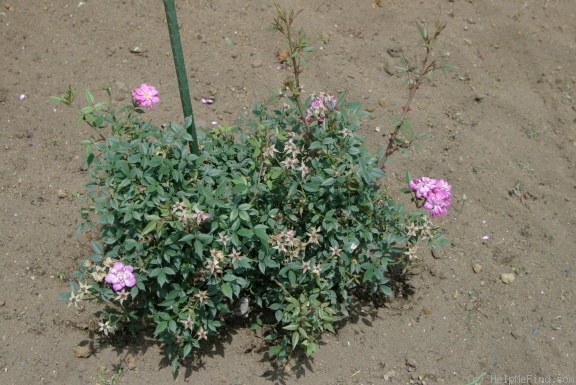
x=66 y=98
x=289 y=218
x=280 y=216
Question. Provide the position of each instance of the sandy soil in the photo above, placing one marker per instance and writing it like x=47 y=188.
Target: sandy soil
x=502 y=131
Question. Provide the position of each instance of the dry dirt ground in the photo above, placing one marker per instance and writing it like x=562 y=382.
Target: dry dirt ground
x=502 y=131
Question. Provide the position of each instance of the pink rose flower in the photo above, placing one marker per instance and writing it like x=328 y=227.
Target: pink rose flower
x=422 y=186
x=437 y=194
x=120 y=276
x=146 y=95
x=436 y=204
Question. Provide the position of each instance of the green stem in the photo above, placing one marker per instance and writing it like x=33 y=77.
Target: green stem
x=412 y=89
x=181 y=73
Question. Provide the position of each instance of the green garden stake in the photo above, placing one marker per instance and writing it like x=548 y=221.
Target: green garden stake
x=181 y=73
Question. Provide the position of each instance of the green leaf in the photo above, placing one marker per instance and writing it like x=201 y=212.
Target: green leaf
x=187 y=349
x=368 y=274
x=312 y=186
x=279 y=315
x=244 y=216
x=315 y=145
x=328 y=140
x=408 y=176
x=226 y=290
x=275 y=174
x=275 y=306
x=169 y=271
x=89 y=97
x=260 y=231
x=172 y=326
x=161 y=278
x=149 y=227
x=290 y=327
x=292 y=278
x=247 y=233
x=240 y=188
x=275 y=350
x=328 y=182
x=98 y=248
x=295 y=338
x=163 y=325
x=386 y=290
x=64 y=296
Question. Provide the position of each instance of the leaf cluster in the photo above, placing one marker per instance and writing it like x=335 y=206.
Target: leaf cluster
x=287 y=218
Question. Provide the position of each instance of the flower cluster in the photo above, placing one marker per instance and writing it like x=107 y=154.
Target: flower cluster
x=145 y=95
x=184 y=215
x=120 y=276
x=436 y=193
x=287 y=243
x=320 y=106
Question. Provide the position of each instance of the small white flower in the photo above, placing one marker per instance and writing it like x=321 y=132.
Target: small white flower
x=122 y=296
x=105 y=327
x=412 y=229
x=304 y=169
x=290 y=162
x=99 y=274
x=316 y=270
x=411 y=252
x=291 y=148
x=202 y=335
x=335 y=250
x=269 y=152
x=202 y=297
x=75 y=299
x=83 y=290
x=188 y=323
x=235 y=255
x=213 y=266
x=224 y=239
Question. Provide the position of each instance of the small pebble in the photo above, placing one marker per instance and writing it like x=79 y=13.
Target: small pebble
x=130 y=362
x=383 y=102
x=83 y=351
x=507 y=278
x=477 y=268
x=411 y=362
x=282 y=55
x=479 y=97
x=257 y=63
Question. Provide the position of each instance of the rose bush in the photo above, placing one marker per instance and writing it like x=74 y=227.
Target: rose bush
x=280 y=217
